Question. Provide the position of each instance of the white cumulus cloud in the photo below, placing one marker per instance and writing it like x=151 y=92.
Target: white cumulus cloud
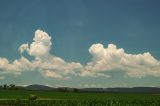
x=105 y=60
x=113 y=58
x=40 y=46
x=48 y=65
x=24 y=47
x=15 y=67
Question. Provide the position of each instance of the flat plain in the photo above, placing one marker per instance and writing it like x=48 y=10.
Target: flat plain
x=52 y=98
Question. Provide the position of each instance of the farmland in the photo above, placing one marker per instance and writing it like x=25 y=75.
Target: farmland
x=52 y=98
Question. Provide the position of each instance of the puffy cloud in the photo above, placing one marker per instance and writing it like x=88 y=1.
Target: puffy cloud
x=56 y=67
x=90 y=73
x=104 y=61
x=24 y=47
x=112 y=58
x=16 y=67
x=47 y=64
x=53 y=74
x=40 y=46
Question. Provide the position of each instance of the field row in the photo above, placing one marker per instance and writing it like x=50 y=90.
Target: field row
x=48 y=98
x=79 y=103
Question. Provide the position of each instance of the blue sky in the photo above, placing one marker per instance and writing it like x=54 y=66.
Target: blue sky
x=74 y=26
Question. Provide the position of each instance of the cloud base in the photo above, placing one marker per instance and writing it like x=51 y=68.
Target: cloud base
x=104 y=60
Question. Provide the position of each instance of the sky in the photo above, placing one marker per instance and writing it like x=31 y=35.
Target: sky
x=80 y=43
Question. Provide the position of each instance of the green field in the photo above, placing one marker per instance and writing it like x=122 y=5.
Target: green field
x=51 y=98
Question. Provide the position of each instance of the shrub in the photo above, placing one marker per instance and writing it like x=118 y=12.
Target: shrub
x=32 y=97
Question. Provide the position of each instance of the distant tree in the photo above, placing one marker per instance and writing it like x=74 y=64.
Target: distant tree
x=1 y=87
x=12 y=86
x=76 y=90
x=5 y=86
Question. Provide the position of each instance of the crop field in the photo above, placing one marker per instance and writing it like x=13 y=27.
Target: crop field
x=51 y=98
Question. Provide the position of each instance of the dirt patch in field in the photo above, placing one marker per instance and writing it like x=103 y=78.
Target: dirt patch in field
x=155 y=94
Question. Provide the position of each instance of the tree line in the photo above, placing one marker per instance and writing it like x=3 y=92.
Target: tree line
x=9 y=87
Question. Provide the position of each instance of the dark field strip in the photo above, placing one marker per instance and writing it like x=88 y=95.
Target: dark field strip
x=51 y=98
x=23 y=94
x=79 y=103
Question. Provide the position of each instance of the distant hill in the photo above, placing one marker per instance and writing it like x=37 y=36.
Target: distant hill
x=38 y=87
x=134 y=89
x=67 y=89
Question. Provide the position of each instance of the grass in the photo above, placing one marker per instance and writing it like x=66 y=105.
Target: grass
x=78 y=99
